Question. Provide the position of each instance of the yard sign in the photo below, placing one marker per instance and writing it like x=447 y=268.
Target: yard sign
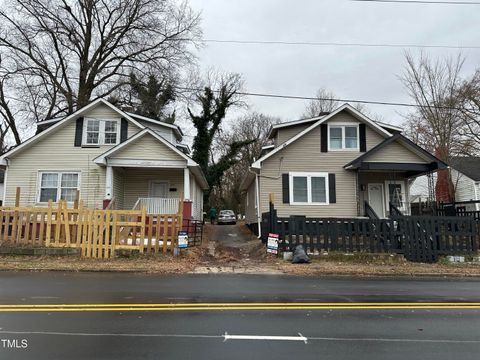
x=182 y=239
x=272 y=243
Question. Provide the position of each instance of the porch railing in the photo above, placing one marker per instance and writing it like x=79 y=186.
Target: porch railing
x=157 y=205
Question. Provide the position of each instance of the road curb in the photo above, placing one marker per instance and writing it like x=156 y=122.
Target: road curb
x=266 y=273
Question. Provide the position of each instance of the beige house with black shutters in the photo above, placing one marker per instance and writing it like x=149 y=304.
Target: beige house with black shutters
x=111 y=157
x=340 y=164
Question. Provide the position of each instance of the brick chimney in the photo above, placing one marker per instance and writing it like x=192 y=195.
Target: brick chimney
x=444 y=182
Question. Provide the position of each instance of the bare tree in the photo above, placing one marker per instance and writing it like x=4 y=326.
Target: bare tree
x=326 y=102
x=323 y=104
x=66 y=53
x=251 y=126
x=469 y=94
x=436 y=123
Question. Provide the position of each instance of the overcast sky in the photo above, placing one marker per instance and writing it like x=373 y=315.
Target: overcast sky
x=350 y=72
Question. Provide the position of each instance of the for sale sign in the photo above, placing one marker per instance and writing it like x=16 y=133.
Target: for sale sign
x=182 y=239
x=272 y=243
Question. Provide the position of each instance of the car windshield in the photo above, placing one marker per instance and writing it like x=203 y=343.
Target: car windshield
x=226 y=212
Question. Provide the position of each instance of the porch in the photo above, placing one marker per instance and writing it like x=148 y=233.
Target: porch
x=384 y=174
x=380 y=189
x=147 y=170
x=158 y=190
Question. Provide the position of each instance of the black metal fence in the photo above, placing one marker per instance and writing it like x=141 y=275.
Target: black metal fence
x=195 y=231
x=419 y=238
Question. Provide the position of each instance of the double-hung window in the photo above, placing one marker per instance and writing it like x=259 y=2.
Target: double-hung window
x=309 y=188
x=343 y=137
x=101 y=132
x=58 y=186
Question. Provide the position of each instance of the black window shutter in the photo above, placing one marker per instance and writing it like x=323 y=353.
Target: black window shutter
x=332 y=192
x=285 y=189
x=78 y=132
x=323 y=137
x=362 y=137
x=124 y=130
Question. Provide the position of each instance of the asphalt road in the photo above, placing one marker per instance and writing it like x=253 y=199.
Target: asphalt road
x=347 y=326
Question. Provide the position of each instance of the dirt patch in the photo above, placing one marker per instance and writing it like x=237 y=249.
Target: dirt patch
x=368 y=265
x=150 y=264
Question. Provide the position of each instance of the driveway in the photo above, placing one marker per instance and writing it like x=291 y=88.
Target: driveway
x=235 y=236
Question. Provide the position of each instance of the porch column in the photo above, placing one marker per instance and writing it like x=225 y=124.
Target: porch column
x=109 y=183
x=186 y=183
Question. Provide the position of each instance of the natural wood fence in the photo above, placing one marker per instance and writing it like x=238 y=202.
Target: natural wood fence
x=98 y=233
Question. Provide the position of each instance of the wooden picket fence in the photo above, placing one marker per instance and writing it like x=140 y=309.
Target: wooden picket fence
x=98 y=233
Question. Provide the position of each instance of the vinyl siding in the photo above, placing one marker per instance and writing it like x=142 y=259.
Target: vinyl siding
x=283 y=134
x=250 y=210
x=165 y=132
x=147 y=148
x=464 y=187
x=395 y=152
x=56 y=152
x=118 y=187
x=304 y=155
x=197 y=197
x=137 y=183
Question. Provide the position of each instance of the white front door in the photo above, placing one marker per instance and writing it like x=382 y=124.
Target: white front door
x=375 y=199
x=158 y=189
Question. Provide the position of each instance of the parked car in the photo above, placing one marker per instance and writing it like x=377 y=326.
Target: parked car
x=226 y=217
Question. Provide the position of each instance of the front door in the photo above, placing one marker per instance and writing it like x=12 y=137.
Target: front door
x=375 y=199
x=158 y=189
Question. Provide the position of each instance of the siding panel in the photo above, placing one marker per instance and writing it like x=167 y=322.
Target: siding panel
x=147 y=148
x=304 y=155
x=395 y=152
x=57 y=152
x=286 y=133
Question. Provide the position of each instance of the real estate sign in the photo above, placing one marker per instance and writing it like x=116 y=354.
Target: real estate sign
x=272 y=243
x=182 y=239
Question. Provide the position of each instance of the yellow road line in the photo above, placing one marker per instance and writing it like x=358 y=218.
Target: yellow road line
x=302 y=304
x=202 y=307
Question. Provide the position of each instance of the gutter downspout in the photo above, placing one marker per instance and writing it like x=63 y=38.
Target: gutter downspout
x=5 y=179
x=475 y=192
x=257 y=194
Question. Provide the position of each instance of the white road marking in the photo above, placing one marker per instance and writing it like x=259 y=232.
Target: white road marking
x=300 y=337
x=226 y=337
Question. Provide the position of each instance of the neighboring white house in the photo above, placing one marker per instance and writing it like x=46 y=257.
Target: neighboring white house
x=106 y=154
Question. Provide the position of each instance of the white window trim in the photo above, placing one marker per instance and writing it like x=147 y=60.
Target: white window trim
x=101 y=132
x=59 y=187
x=342 y=126
x=402 y=190
x=308 y=175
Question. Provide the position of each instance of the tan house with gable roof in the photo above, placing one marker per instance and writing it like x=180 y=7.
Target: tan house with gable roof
x=107 y=154
x=341 y=164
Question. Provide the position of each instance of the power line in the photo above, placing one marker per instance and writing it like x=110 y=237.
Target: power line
x=328 y=43
x=298 y=97
x=423 y=2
